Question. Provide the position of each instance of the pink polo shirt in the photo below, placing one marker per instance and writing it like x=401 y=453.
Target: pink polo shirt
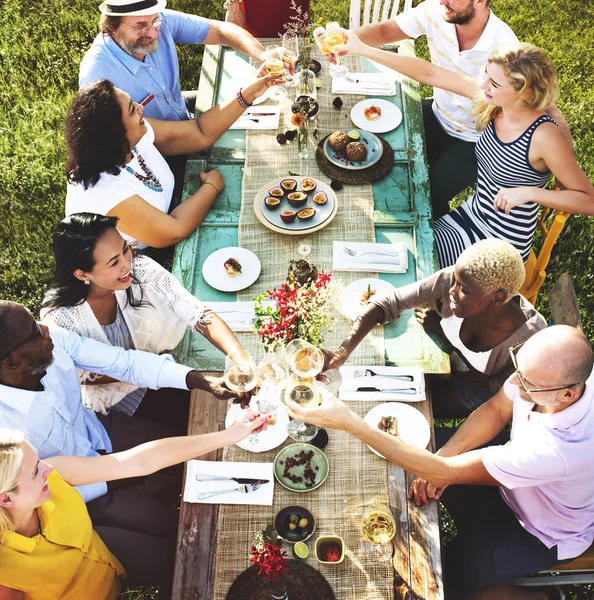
x=546 y=472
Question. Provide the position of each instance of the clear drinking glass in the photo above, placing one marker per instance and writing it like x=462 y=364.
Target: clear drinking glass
x=275 y=67
x=240 y=371
x=335 y=37
x=378 y=528
x=303 y=391
x=290 y=54
x=304 y=358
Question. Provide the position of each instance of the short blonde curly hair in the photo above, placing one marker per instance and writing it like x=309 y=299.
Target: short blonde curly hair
x=493 y=265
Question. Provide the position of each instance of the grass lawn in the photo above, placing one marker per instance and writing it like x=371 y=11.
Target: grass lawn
x=42 y=43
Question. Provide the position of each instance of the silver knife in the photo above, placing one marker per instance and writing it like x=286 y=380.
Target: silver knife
x=388 y=390
x=204 y=477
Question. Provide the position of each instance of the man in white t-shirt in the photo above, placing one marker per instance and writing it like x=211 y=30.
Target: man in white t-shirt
x=461 y=34
x=543 y=512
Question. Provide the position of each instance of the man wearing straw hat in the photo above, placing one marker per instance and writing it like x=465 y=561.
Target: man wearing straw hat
x=136 y=52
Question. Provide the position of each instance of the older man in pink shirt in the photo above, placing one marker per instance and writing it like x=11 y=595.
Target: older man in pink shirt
x=528 y=504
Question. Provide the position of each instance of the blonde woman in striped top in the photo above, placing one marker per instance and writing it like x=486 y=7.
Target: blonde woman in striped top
x=520 y=147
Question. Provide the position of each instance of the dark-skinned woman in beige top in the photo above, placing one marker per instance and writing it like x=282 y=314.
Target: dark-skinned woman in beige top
x=476 y=307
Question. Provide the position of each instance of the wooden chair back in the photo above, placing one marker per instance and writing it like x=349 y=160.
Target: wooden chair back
x=536 y=265
x=389 y=10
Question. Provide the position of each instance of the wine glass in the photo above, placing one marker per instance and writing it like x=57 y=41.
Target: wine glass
x=319 y=34
x=275 y=67
x=378 y=528
x=304 y=358
x=303 y=391
x=334 y=38
x=290 y=54
x=240 y=371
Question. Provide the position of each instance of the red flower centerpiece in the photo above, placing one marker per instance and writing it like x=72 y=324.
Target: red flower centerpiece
x=302 y=308
x=268 y=554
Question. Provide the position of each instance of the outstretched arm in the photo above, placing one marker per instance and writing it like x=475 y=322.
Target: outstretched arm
x=464 y=467
x=185 y=137
x=415 y=68
x=378 y=34
x=152 y=456
x=227 y=34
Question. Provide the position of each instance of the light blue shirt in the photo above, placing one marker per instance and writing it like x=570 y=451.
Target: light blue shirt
x=158 y=74
x=54 y=420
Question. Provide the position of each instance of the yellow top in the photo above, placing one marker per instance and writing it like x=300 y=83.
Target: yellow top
x=67 y=560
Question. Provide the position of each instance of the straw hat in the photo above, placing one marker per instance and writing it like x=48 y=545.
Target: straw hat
x=138 y=8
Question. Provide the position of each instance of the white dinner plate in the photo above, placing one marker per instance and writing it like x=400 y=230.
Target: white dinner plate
x=412 y=424
x=216 y=276
x=390 y=118
x=351 y=296
x=274 y=435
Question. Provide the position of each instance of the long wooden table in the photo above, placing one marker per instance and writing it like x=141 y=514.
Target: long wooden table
x=402 y=213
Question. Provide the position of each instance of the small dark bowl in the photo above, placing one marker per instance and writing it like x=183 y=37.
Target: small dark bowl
x=315 y=66
x=281 y=524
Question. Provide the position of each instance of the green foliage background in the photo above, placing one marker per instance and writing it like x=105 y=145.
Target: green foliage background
x=42 y=43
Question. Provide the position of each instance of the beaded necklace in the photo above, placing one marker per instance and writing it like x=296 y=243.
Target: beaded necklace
x=149 y=179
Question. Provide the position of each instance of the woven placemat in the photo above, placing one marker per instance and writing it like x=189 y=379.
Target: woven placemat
x=380 y=169
x=303 y=583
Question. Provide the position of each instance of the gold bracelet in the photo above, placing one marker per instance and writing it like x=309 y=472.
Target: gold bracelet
x=213 y=185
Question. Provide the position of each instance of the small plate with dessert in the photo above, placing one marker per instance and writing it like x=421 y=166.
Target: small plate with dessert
x=377 y=116
x=356 y=296
x=400 y=420
x=353 y=149
x=231 y=269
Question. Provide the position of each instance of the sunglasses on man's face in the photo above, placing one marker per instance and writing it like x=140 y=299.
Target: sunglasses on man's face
x=513 y=352
x=37 y=332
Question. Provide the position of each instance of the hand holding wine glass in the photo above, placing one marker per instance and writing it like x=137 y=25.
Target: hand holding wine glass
x=275 y=67
x=336 y=38
x=290 y=53
x=240 y=371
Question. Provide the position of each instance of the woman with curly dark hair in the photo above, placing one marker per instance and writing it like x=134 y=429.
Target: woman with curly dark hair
x=115 y=165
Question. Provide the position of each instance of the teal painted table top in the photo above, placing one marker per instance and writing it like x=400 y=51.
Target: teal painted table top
x=402 y=213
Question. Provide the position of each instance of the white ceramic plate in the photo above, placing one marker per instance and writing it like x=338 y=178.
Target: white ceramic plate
x=274 y=435
x=412 y=425
x=351 y=296
x=324 y=212
x=390 y=118
x=215 y=275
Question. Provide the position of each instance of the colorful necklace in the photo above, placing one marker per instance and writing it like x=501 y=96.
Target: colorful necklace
x=148 y=178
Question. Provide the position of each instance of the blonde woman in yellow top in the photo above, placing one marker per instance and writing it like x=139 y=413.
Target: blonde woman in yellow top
x=48 y=549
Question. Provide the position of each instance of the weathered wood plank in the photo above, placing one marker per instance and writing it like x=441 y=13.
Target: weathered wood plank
x=563 y=302
x=197 y=534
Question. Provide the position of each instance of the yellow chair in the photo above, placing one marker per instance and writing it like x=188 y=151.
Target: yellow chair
x=536 y=265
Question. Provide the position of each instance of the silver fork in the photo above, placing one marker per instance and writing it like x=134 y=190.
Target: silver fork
x=362 y=252
x=244 y=489
x=370 y=373
x=351 y=79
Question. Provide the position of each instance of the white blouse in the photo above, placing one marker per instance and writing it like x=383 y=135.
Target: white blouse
x=451 y=329
x=159 y=324
x=110 y=190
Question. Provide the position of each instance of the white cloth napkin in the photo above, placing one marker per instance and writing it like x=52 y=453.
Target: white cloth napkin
x=238 y=315
x=350 y=383
x=370 y=263
x=263 y=495
x=257 y=117
x=370 y=84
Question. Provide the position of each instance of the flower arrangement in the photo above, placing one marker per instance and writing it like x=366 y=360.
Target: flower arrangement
x=267 y=552
x=299 y=25
x=302 y=308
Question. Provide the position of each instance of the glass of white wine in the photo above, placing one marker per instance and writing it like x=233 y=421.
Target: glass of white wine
x=303 y=391
x=378 y=528
x=240 y=371
x=290 y=54
x=275 y=67
x=335 y=37
x=304 y=358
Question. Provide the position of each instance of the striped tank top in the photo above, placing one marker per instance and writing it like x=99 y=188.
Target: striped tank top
x=500 y=165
